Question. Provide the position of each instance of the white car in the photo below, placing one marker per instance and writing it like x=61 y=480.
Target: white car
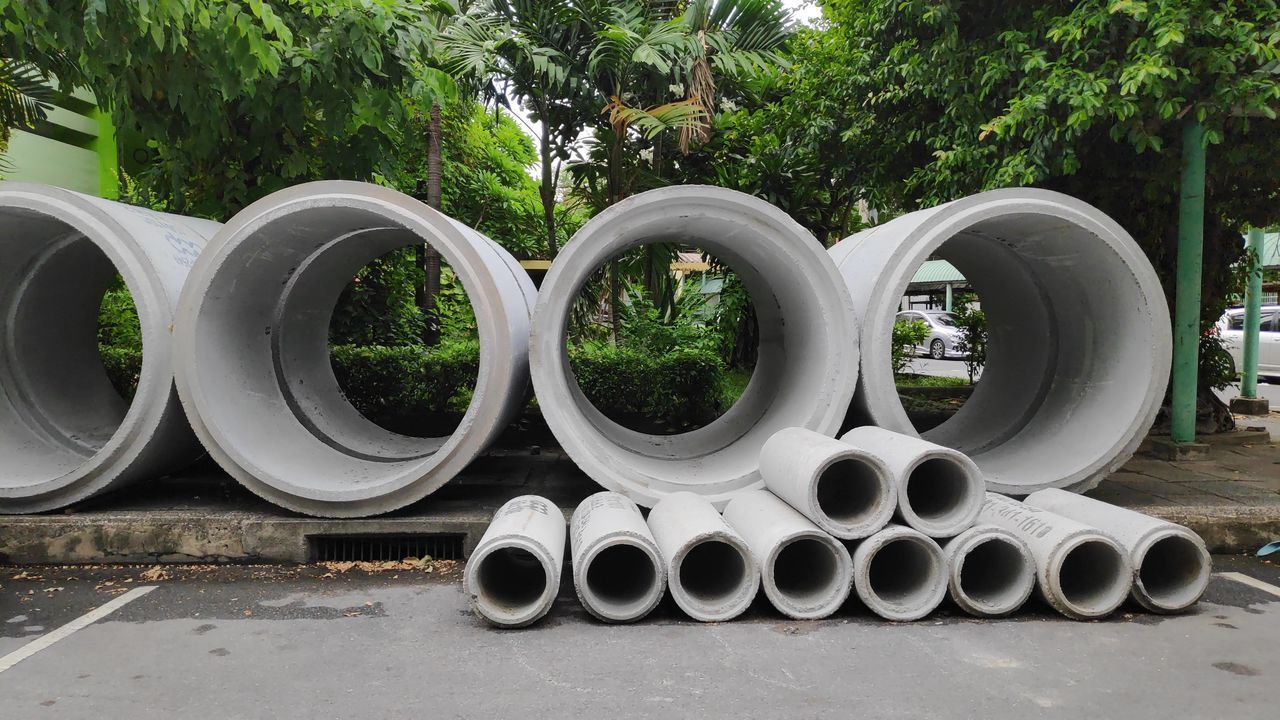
x=944 y=335
x=1231 y=326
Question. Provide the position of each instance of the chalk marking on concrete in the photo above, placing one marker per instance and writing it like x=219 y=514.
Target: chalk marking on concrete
x=67 y=630
x=1251 y=582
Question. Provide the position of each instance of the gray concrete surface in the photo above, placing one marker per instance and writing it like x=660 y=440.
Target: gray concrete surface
x=248 y=642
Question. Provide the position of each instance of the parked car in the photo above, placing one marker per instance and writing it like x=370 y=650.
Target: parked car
x=1231 y=326
x=944 y=335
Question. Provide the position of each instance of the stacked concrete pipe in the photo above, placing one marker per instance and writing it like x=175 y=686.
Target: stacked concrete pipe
x=939 y=490
x=65 y=433
x=1171 y=563
x=618 y=572
x=900 y=574
x=845 y=491
x=806 y=573
x=808 y=357
x=1082 y=572
x=513 y=576
x=712 y=574
x=990 y=571
x=1079 y=342
x=253 y=360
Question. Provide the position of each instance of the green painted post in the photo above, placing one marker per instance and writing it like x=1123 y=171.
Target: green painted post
x=1252 y=316
x=1186 y=311
x=108 y=156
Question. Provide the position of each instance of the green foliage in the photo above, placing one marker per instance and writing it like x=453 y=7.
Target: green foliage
x=24 y=97
x=123 y=364
x=382 y=381
x=240 y=98
x=973 y=337
x=929 y=381
x=681 y=387
x=907 y=336
x=118 y=323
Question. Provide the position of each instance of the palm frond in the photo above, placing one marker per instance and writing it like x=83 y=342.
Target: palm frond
x=25 y=95
x=651 y=122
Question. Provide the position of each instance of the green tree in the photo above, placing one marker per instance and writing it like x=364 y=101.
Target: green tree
x=24 y=98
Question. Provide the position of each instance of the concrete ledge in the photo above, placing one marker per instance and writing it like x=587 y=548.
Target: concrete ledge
x=1166 y=448
x=1250 y=406
x=1225 y=529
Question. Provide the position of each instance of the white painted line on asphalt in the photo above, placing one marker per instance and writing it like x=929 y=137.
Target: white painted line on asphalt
x=1251 y=582
x=79 y=623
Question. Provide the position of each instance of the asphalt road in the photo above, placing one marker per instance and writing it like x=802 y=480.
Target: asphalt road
x=305 y=643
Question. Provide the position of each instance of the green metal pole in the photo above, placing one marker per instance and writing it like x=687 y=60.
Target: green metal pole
x=1186 y=310
x=1252 y=316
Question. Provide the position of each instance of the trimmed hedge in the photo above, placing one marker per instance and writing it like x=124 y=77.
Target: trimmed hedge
x=684 y=385
x=123 y=365
x=408 y=379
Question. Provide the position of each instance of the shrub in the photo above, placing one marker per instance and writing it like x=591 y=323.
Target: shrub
x=682 y=386
x=123 y=365
x=907 y=335
x=973 y=338
x=408 y=379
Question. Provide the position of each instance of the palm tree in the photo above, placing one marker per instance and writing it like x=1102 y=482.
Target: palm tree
x=24 y=98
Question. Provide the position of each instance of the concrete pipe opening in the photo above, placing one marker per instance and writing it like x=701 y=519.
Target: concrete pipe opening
x=711 y=574
x=851 y=492
x=810 y=576
x=904 y=573
x=1172 y=572
x=510 y=585
x=1093 y=577
x=1079 y=343
x=623 y=581
x=996 y=575
x=66 y=431
x=252 y=341
x=806 y=367
x=940 y=496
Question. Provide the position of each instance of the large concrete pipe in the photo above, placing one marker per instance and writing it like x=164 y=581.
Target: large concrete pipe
x=252 y=344
x=513 y=576
x=1171 y=563
x=1079 y=343
x=806 y=573
x=617 y=570
x=711 y=572
x=1082 y=572
x=65 y=433
x=845 y=491
x=990 y=571
x=807 y=365
x=900 y=574
x=940 y=490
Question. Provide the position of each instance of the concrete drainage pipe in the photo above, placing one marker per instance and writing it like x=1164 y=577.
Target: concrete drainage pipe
x=1079 y=343
x=807 y=361
x=618 y=571
x=252 y=346
x=65 y=432
x=990 y=571
x=513 y=576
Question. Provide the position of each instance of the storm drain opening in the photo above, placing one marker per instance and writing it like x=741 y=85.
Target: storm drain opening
x=381 y=548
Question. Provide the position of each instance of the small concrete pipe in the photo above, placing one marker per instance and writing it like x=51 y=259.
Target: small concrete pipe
x=1078 y=349
x=252 y=341
x=711 y=572
x=900 y=574
x=807 y=358
x=806 y=573
x=513 y=576
x=66 y=434
x=617 y=570
x=1171 y=563
x=990 y=571
x=845 y=491
x=1082 y=572
x=939 y=490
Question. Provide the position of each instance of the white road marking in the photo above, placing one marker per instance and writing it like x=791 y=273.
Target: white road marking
x=1251 y=582
x=79 y=623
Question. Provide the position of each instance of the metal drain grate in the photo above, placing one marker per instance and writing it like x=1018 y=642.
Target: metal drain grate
x=377 y=548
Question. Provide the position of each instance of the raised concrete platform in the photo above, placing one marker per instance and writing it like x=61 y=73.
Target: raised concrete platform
x=1231 y=497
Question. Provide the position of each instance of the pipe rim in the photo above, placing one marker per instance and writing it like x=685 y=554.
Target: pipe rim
x=958 y=551
x=1115 y=590
x=1163 y=601
x=708 y=461
x=934 y=584
x=613 y=611
x=104 y=467
x=735 y=602
x=832 y=594
x=402 y=480
x=960 y=516
x=877 y=395
x=532 y=611
x=869 y=521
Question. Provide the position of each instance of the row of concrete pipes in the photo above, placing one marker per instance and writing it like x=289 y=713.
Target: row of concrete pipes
x=865 y=514
x=235 y=317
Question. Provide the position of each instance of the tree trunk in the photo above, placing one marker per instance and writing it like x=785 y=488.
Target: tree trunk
x=548 y=189
x=616 y=194
x=428 y=255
